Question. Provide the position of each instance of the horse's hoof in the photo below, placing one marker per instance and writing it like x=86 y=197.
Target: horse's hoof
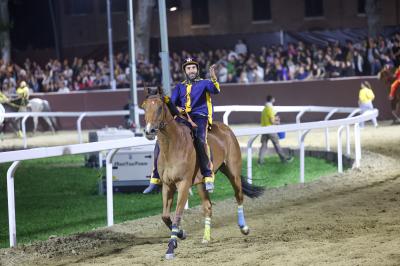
x=182 y=234
x=205 y=241
x=172 y=245
x=245 y=230
x=169 y=256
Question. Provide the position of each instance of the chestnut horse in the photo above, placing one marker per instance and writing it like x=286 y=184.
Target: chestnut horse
x=387 y=76
x=179 y=168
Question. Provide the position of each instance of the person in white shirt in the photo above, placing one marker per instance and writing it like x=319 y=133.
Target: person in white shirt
x=241 y=48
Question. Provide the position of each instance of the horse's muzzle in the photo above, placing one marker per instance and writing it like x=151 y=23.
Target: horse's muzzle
x=150 y=136
x=150 y=132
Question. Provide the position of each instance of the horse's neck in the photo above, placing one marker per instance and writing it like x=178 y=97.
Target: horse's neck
x=172 y=136
x=169 y=133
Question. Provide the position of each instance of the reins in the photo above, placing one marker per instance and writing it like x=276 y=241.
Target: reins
x=164 y=123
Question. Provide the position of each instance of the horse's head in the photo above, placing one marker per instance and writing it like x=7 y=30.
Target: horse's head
x=154 y=112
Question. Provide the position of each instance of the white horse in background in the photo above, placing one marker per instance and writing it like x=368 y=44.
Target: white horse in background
x=40 y=105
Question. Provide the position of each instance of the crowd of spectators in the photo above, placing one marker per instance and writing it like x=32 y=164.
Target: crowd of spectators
x=296 y=61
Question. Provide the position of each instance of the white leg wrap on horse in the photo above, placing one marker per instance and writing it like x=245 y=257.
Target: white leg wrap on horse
x=207 y=230
x=241 y=221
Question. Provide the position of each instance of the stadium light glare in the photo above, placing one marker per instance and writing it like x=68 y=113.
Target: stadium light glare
x=174 y=8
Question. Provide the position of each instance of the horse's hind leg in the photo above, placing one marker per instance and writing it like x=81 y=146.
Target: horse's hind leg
x=207 y=210
x=183 y=193
x=35 y=124
x=233 y=172
x=48 y=121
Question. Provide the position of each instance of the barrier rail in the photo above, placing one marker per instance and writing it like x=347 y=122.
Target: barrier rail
x=113 y=145
x=301 y=110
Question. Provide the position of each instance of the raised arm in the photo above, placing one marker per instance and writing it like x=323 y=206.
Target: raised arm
x=213 y=85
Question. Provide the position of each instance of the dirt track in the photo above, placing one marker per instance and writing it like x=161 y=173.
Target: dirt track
x=348 y=219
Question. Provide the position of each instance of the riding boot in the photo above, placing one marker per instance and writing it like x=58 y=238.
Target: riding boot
x=155 y=185
x=205 y=165
x=155 y=181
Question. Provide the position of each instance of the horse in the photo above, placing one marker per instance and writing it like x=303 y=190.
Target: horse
x=40 y=105
x=34 y=105
x=387 y=76
x=178 y=166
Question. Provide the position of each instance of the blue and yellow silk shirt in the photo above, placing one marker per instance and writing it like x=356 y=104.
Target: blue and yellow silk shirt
x=195 y=98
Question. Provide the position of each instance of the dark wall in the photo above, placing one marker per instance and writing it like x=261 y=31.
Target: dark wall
x=343 y=93
x=226 y=17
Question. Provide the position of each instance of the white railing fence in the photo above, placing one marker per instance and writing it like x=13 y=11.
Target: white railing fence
x=113 y=145
x=227 y=110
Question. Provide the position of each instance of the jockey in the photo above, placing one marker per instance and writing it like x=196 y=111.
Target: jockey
x=3 y=98
x=23 y=95
x=193 y=97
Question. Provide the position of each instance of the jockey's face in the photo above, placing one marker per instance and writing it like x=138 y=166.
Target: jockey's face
x=191 y=71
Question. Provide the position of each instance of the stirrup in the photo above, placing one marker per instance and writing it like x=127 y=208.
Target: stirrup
x=209 y=184
x=152 y=188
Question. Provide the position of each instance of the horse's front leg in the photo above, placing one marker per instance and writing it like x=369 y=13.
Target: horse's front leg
x=50 y=124
x=183 y=193
x=207 y=210
x=16 y=125
x=168 y=200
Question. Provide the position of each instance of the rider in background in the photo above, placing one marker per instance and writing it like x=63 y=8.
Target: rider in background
x=3 y=98
x=192 y=96
x=23 y=96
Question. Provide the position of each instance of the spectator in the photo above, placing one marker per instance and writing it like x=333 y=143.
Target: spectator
x=222 y=72
x=241 y=47
x=269 y=118
x=365 y=98
x=297 y=61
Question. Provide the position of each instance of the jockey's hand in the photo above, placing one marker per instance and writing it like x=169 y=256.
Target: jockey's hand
x=212 y=72
x=181 y=111
x=390 y=98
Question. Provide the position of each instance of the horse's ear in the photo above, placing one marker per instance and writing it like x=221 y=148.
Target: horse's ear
x=149 y=91
x=146 y=92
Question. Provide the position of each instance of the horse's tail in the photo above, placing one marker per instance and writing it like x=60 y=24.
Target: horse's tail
x=250 y=190
x=47 y=108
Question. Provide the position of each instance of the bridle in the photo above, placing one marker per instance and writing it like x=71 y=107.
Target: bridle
x=164 y=122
